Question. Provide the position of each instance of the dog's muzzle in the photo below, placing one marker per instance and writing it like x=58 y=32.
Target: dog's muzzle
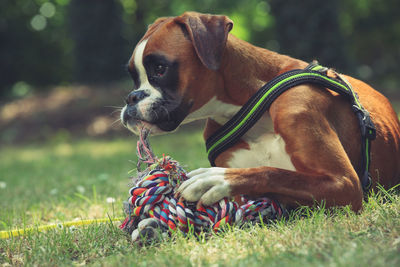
x=159 y=114
x=130 y=111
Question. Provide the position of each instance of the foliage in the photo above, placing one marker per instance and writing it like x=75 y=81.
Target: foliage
x=311 y=35
x=46 y=42
x=34 y=47
x=373 y=29
x=96 y=29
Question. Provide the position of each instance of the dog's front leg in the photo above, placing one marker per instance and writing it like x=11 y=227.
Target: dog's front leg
x=291 y=188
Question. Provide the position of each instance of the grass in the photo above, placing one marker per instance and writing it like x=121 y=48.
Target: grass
x=62 y=181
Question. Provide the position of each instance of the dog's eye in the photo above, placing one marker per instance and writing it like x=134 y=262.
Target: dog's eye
x=160 y=70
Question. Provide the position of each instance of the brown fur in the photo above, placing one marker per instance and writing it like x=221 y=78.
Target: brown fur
x=319 y=128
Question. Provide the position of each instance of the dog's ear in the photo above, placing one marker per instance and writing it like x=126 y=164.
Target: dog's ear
x=208 y=34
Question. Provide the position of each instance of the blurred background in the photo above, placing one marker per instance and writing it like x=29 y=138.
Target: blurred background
x=62 y=62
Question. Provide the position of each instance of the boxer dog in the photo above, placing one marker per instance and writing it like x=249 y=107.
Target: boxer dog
x=305 y=149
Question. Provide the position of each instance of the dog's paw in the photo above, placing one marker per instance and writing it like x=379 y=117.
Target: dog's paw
x=148 y=231
x=206 y=185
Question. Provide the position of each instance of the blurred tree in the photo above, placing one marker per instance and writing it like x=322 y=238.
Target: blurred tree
x=372 y=29
x=310 y=30
x=33 y=44
x=38 y=47
x=140 y=13
x=96 y=28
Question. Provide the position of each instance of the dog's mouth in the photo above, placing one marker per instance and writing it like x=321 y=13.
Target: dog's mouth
x=135 y=123
x=135 y=126
x=158 y=119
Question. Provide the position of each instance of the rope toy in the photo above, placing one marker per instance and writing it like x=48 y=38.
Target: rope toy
x=152 y=204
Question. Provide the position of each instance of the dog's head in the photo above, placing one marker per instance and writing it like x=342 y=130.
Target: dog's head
x=174 y=68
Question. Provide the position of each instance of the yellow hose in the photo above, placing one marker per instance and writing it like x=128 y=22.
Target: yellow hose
x=25 y=231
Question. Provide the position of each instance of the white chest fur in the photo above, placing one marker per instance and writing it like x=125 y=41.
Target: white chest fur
x=266 y=149
x=215 y=109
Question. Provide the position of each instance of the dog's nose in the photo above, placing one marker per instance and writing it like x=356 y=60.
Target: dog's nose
x=135 y=96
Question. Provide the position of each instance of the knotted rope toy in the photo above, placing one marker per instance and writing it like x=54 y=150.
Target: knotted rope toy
x=152 y=204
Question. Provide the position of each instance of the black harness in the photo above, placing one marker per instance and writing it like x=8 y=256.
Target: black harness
x=259 y=103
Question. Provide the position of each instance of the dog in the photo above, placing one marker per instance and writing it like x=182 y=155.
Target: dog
x=304 y=150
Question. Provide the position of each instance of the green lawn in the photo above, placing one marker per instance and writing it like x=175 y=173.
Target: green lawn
x=63 y=181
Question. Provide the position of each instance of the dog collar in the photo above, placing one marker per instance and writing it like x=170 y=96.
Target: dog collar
x=259 y=103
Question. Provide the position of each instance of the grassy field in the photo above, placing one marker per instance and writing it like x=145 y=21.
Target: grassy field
x=69 y=180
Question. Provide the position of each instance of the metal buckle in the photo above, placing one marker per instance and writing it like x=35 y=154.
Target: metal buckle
x=323 y=70
x=366 y=125
x=369 y=128
x=368 y=184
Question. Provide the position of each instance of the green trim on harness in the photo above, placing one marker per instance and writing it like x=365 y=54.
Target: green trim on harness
x=260 y=102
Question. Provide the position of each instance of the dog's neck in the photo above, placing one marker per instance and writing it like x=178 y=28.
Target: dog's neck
x=245 y=68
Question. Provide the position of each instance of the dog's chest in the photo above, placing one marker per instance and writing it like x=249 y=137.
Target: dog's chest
x=265 y=149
